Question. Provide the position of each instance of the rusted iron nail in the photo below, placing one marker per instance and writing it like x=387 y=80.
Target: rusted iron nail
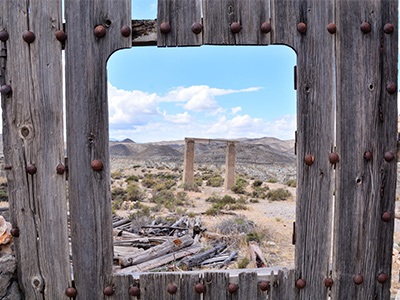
x=172 y=289
x=232 y=288
x=332 y=28
x=365 y=27
x=199 y=288
x=8 y=168
x=391 y=88
x=333 y=158
x=196 y=27
x=71 y=292
x=134 y=291
x=302 y=27
x=388 y=28
x=236 y=27
x=61 y=36
x=328 y=282
x=60 y=169
x=309 y=159
x=266 y=27
x=300 y=284
x=4 y=36
x=386 y=216
x=389 y=156
x=108 y=291
x=28 y=36
x=264 y=286
x=367 y=156
x=15 y=232
x=31 y=169
x=97 y=165
x=126 y=31
x=358 y=279
x=100 y=31
x=5 y=89
x=165 y=27
x=382 y=278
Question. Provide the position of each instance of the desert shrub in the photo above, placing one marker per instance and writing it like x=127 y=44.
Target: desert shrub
x=257 y=183
x=132 y=178
x=241 y=181
x=272 y=180
x=163 y=197
x=236 y=225
x=116 y=175
x=215 y=181
x=278 y=194
x=167 y=176
x=187 y=187
x=3 y=194
x=243 y=263
x=254 y=201
x=149 y=182
x=198 y=181
x=181 y=196
x=135 y=193
x=259 y=192
x=118 y=194
x=213 y=211
x=159 y=187
x=240 y=186
x=254 y=236
x=191 y=214
x=169 y=183
x=117 y=204
x=227 y=202
x=291 y=183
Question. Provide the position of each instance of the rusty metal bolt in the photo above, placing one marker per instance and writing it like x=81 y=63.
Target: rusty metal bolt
x=108 y=291
x=386 y=216
x=172 y=289
x=332 y=28
x=134 y=291
x=97 y=165
x=71 y=292
x=264 y=286
x=309 y=159
x=367 y=156
x=236 y=27
x=15 y=232
x=232 y=288
x=100 y=31
x=126 y=31
x=382 y=278
x=165 y=27
x=4 y=36
x=302 y=27
x=391 y=88
x=196 y=27
x=5 y=89
x=199 y=288
x=60 y=169
x=365 y=27
x=333 y=158
x=358 y=279
x=300 y=284
x=28 y=36
x=388 y=28
x=61 y=36
x=389 y=156
x=328 y=282
x=31 y=169
x=266 y=27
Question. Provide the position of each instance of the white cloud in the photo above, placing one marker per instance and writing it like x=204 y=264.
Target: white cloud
x=235 y=110
x=184 y=118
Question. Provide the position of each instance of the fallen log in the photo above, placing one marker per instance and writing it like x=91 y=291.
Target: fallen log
x=120 y=223
x=257 y=255
x=197 y=259
x=164 y=227
x=231 y=257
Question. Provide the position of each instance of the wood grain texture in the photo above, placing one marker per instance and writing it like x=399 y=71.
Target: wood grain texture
x=121 y=285
x=180 y=15
x=284 y=286
x=33 y=134
x=248 y=287
x=87 y=136
x=366 y=121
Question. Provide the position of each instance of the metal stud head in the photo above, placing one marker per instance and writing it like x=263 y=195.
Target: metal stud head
x=365 y=27
x=28 y=36
x=15 y=232
x=382 y=278
x=172 y=289
x=71 y=292
x=196 y=27
x=236 y=27
x=302 y=27
x=264 y=286
x=108 y=291
x=266 y=27
x=389 y=156
x=309 y=159
x=5 y=89
x=332 y=28
x=61 y=36
x=232 y=288
x=391 y=88
x=165 y=28
x=300 y=284
x=31 y=169
x=388 y=28
x=199 y=288
x=368 y=156
x=328 y=282
x=134 y=291
x=97 y=165
x=386 y=216
x=60 y=169
x=358 y=279
x=126 y=31
x=4 y=36
x=333 y=158
x=100 y=31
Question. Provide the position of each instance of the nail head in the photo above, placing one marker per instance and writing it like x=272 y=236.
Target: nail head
x=60 y=169
x=386 y=216
x=358 y=279
x=31 y=169
x=366 y=27
x=300 y=284
x=108 y=291
x=389 y=156
x=172 y=289
x=100 y=31
x=367 y=156
x=196 y=27
x=266 y=27
x=28 y=36
x=97 y=165
x=388 y=28
x=302 y=27
x=328 y=282
x=165 y=27
x=5 y=89
x=391 y=88
x=71 y=292
x=382 y=278
x=309 y=159
x=61 y=36
x=134 y=291
x=264 y=286
x=15 y=232
x=126 y=31
x=236 y=27
x=4 y=36
x=232 y=288
x=199 y=288
x=332 y=28
x=333 y=158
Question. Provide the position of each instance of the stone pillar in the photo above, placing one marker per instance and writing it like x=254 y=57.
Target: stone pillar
x=230 y=165
x=188 y=169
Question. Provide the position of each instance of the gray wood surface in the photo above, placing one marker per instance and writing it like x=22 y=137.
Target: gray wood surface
x=32 y=134
x=366 y=121
x=284 y=286
x=121 y=285
x=87 y=137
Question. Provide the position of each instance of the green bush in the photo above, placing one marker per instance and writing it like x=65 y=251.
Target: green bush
x=116 y=175
x=240 y=186
x=257 y=183
x=163 y=197
x=3 y=194
x=272 y=180
x=227 y=202
x=291 y=183
x=254 y=236
x=198 y=181
x=243 y=263
x=241 y=181
x=149 y=182
x=254 y=201
x=278 y=194
x=259 y=192
x=215 y=181
x=132 y=178
x=135 y=193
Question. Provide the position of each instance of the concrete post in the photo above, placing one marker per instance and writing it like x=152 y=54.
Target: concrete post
x=230 y=165
x=188 y=169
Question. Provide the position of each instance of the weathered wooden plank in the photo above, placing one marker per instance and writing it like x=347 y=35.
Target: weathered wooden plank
x=248 y=287
x=33 y=134
x=188 y=282
x=284 y=19
x=144 y=32
x=87 y=136
x=180 y=15
x=284 y=286
x=366 y=122
x=216 y=285
x=121 y=285
x=155 y=286
x=250 y=14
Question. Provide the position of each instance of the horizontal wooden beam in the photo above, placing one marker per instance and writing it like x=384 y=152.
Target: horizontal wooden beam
x=211 y=140
x=144 y=32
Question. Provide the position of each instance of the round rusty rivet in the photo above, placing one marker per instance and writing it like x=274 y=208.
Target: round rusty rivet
x=266 y=27
x=61 y=36
x=389 y=156
x=236 y=27
x=172 y=289
x=391 y=88
x=100 y=31
x=365 y=27
x=28 y=36
x=126 y=31
x=382 y=278
x=358 y=279
x=31 y=169
x=328 y=282
x=108 y=291
x=5 y=89
x=388 y=28
x=264 y=286
x=199 y=288
x=15 y=232
x=309 y=159
x=332 y=28
x=333 y=158
x=232 y=288
x=60 y=169
x=300 y=284
x=196 y=27
x=367 y=156
x=71 y=292
x=165 y=27
x=4 y=36
x=97 y=165
x=386 y=216
x=134 y=291
x=302 y=28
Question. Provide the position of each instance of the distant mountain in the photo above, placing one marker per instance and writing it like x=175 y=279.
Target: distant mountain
x=120 y=150
x=127 y=141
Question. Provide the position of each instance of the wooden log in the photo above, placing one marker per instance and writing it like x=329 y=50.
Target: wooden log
x=144 y=32
x=120 y=222
x=197 y=259
x=257 y=255
x=231 y=257
x=164 y=227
